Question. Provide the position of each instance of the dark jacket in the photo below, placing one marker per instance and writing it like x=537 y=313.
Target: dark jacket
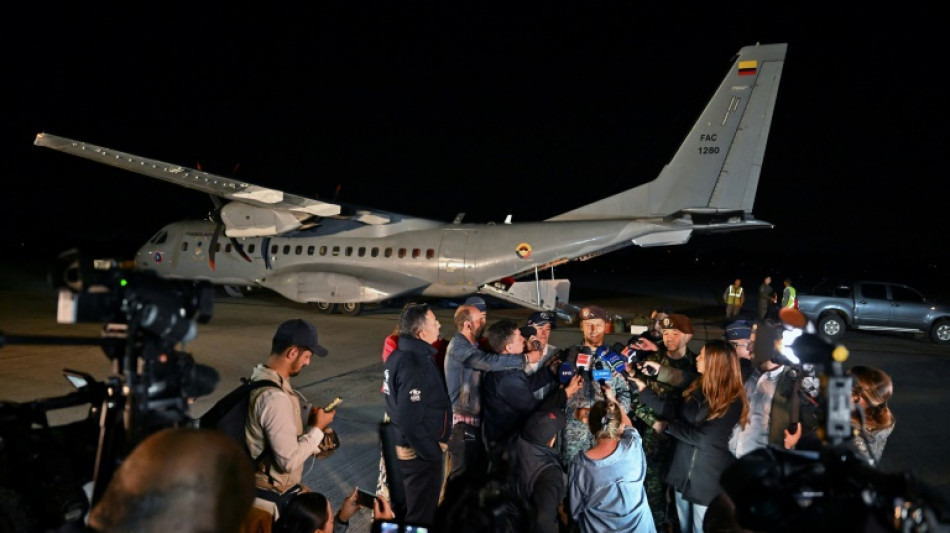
x=465 y=365
x=416 y=400
x=787 y=394
x=509 y=400
x=702 y=446
x=539 y=481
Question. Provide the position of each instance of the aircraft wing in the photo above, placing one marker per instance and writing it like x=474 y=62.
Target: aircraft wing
x=228 y=188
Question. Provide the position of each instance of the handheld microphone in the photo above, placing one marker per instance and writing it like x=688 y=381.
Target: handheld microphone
x=583 y=361
x=566 y=373
x=600 y=374
x=624 y=350
x=616 y=362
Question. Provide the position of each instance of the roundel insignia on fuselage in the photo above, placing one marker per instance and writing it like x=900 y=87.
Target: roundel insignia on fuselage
x=157 y=257
x=523 y=250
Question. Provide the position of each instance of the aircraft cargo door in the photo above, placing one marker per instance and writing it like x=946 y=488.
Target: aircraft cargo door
x=452 y=263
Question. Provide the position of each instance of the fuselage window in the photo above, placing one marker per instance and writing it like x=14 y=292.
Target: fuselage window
x=286 y=249
x=298 y=250
x=336 y=251
x=402 y=253
x=362 y=251
x=323 y=250
x=310 y=250
x=184 y=246
x=416 y=253
x=349 y=251
x=250 y=248
x=430 y=253
x=374 y=252
x=389 y=252
x=227 y=248
x=273 y=249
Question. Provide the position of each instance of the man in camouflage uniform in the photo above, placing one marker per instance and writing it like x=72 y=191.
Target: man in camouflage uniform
x=668 y=372
x=577 y=436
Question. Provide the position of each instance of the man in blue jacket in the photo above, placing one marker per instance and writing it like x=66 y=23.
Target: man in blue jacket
x=420 y=411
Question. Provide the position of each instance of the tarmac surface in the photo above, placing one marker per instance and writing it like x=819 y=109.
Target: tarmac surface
x=239 y=333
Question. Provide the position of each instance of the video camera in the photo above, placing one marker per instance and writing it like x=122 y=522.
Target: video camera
x=43 y=468
x=831 y=489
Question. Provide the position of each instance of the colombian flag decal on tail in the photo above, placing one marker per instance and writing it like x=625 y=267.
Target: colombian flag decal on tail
x=748 y=68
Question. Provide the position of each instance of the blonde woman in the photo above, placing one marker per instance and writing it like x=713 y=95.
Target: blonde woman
x=871 y=390
x=702 y=425
x=605 y=483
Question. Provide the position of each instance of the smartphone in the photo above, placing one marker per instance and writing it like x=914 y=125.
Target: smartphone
x=365 y=498
x=332 y=405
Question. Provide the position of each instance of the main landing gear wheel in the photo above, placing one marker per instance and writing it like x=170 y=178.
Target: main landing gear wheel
x=326 y=308
x=351 y=308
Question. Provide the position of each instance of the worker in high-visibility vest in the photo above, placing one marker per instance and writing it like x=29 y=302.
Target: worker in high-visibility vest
x=734 y=296
x=789 y=296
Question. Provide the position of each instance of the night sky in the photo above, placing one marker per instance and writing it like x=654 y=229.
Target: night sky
x=431 y=109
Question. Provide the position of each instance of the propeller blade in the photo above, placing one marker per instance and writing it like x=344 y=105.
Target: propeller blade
x=214 y=243
x=240 y=249
x=265 y=244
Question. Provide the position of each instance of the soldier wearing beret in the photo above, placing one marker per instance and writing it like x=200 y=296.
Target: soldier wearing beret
x=577 y=435
x=670 y=371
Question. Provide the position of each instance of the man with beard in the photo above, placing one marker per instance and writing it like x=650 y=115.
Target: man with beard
x=465 y=365
x=274 y=419
x=668 y=373
x=577 y=435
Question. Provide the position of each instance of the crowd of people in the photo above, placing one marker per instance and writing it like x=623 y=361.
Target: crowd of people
x=497 y=429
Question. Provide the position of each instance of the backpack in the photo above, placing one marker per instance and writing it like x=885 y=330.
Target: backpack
x=229 y=414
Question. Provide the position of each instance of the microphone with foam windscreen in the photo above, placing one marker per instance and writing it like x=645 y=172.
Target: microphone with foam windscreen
x=565 y=373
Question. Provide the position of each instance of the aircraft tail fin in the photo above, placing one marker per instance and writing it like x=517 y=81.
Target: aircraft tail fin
x=716 y=168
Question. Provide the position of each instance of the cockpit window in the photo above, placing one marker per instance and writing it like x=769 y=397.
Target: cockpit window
x=159 y=237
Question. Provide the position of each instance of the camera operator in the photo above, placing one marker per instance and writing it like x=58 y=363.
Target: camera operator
x=780 y=412
x=577 y=435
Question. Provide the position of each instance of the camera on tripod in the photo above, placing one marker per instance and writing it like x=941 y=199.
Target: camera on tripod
x=45 y=470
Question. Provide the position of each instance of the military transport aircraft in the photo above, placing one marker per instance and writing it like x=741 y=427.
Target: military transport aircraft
x=327 y=253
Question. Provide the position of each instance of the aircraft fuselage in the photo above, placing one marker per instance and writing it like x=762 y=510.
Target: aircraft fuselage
x=448 y=260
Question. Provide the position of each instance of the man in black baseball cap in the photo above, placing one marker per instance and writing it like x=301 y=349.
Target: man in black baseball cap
x=542 y=322
x=298 y=332
x=274 y=413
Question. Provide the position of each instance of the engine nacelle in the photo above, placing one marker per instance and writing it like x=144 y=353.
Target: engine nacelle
x=244 y=220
